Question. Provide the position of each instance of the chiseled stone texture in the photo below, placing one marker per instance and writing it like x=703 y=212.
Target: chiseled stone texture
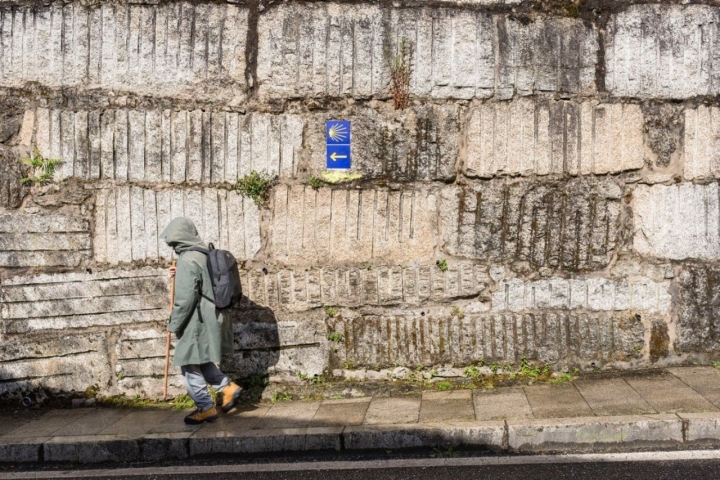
x=12 y=191
x=663 y=51
x=79 y=300
x=432 y=337
x=702 y=143
x=363 y=224
x=28 y=240
x=698 y=309
x=677 y=221
x=176 y=49
x=419 y=143
x=65 y=362
x=266 y=343
x=168 y=146
x=572 y=225
x=339 y=50
x=595 y=294
x=129 y=220
x=299 y=290
x=530 y=137
x=140 y=355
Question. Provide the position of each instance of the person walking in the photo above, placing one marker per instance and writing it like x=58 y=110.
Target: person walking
x=203 y=332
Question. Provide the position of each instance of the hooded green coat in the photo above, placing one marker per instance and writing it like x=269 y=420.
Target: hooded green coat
x=204 y=333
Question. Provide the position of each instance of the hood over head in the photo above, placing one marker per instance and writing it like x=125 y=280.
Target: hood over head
x=181 y=235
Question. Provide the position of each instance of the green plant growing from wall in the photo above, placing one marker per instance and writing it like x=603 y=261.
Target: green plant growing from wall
x=255 y=185
x=315 y=182
x=43 y=168
x=335 y=337
x=442 y=265
x=331 y=311
x=400 y=73
x=456 y=312
x=281 y=397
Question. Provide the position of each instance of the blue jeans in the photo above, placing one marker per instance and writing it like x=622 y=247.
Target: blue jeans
x=197 y=378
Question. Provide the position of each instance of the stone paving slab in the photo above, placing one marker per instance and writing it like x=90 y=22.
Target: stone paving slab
x=446 y=406
x=612 y=396
x=502 y=404
x=138 y=423
x=557 y=401
x=666 y=393
x=704 y=380
x=338 y=413
x=93 y=422
x=289 y=415
x=47 y=424
x=383 y=411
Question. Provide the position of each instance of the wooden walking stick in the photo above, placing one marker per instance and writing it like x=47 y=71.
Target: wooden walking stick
x=167 y=343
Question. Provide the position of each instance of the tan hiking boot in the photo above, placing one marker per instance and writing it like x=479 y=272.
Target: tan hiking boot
x=230 y=395
x=198 y=416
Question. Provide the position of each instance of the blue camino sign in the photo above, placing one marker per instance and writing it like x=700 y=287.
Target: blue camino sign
x=337 y=140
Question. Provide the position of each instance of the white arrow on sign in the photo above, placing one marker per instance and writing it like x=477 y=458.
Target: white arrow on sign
x=335 y=157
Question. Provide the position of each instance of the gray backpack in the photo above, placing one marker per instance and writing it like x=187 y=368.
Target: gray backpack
x=224 y=276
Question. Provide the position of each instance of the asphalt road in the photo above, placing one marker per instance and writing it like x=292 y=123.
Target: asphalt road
x=633 y=466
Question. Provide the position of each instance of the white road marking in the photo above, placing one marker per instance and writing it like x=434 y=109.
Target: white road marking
x=375 y=464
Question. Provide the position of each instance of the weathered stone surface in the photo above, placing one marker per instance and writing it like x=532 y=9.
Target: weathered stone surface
x=168 y=146
x=530 y=137
x=698 y=309
x=665 y=51
x=66 y=362
x=595 y=294
x=702 y=143
x=432 y=336
x=140 y=363
x=12 y=191
x=78 y=300
x=363 y=225
x=339 y=50
x=128 y=221
x=266 y=343
x=298 y=290
x=420 y=143
x=11 y=117
x=677 y=221
x=179 y=49
x=572 y=225
x=533 y=435
x=43 y=240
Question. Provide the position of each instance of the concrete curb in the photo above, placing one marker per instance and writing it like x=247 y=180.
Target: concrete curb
x=540 y=435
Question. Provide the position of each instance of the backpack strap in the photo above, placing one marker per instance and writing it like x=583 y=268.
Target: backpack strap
x=204 y=251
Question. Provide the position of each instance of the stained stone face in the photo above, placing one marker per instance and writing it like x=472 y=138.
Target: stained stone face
x=161 y=146
x=573 y=225
x=180 y=49
x=683 y=39
x=340 y=50
x=59 y=362
x=698 y=329
x=677 y=221
x=430 y=338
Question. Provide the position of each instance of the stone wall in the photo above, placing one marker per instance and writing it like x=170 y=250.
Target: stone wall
x=552 y=190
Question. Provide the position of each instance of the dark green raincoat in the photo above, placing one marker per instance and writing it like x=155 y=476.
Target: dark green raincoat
x=204 y=333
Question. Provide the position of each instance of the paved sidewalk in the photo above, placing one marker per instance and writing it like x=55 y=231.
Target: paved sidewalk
x=675 y=408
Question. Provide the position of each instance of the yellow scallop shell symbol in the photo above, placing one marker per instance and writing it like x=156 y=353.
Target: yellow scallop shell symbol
x=337 y=132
